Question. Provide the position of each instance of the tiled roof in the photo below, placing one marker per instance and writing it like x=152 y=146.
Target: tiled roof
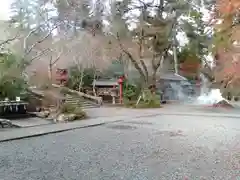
x=171 y=76
x=105 y=83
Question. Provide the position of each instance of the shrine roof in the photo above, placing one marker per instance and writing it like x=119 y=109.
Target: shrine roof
x=171 y=76
x=105 y=83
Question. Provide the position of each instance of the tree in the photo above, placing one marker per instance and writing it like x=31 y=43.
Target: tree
x=80 y=78
x=151 y=40
x=196 y=51
x=12 y=82
x=74 y=14
x=228 y=7
x=145 y=46
x=34 y=26
x=226 y=43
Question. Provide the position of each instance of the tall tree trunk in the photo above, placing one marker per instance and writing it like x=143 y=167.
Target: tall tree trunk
x=81 y=69
x=154 y=78
x=50 y=69
x=50 y=72
x=175 y=56
x=94 y=79
x=133 y=61
x=81 y=80
x=144 y=67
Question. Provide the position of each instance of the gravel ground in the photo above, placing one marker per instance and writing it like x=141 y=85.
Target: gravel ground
x=151 y=148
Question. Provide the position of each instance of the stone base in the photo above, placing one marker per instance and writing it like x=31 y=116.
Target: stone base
x=65 y=118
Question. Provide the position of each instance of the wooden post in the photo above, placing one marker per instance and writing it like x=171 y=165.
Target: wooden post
x=120 y=82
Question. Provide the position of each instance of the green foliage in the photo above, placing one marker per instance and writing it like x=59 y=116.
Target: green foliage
x=150 y=100
x=221 y=39
x=195 y=14
x=73 y=109
x=80 y=114
x=75 y=75
x=64 y=90
x=67 y=108
x=195 y=30
x=130 y=92
x=12 y=82
x=115 y=70
x=188 y=53
x=129 y=104
x=11 y=87
x=145 y=105
x=183 y=55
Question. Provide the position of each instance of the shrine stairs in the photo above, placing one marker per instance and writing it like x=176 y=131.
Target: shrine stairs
x=81 y=101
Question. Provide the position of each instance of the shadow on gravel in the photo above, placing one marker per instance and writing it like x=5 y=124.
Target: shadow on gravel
x=139 y=122
x=171 y=133
x=122 y=127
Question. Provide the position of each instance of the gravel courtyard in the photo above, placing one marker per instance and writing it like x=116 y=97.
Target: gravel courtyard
x=161 y=147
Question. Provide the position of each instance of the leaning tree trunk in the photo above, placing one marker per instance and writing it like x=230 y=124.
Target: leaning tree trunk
x=93 y=87
x=81 y=80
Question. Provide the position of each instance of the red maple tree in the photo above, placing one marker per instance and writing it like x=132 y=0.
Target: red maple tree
x=228 y=48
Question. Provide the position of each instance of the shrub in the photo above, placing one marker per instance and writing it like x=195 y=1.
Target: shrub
x=73 y=109
x=67 y=108
x=148 y=105
x=131 y=92
x=80 y=114
x=75 y=74
x=12 y=87
x=12 y=80
x=128 y=103
x=150 y=100
x=64 y=90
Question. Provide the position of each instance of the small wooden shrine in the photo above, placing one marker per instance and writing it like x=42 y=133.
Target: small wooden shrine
x=111 y=90
x=62 y=76
x=107 y=89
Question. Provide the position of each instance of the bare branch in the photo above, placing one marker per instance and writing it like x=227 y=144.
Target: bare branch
x=141 y=52
x=40 y=41
x=43 y=52
x=37 y=42
x=135 y=63
x=9 y=40
x=57 y=58
x=25 y=39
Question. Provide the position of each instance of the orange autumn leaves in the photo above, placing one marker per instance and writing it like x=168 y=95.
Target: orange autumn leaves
x=228 y=60
x=228 y=11
x=228 y=7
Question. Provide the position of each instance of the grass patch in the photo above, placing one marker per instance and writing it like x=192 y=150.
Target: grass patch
x=150 y=101
x=142 y=105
